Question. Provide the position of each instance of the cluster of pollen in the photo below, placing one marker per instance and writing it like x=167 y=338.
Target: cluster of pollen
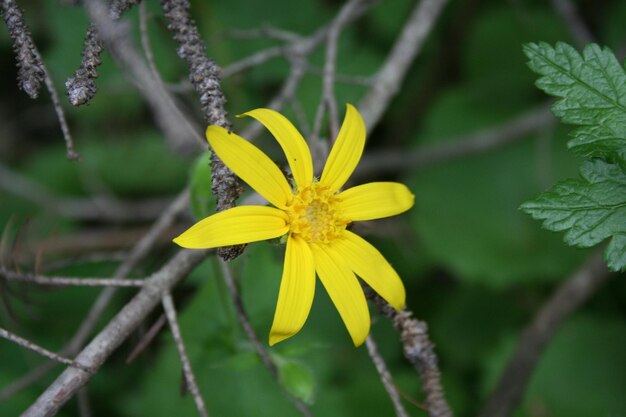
x=315 y=214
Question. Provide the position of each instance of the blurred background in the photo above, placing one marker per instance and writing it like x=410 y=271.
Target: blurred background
x=476 y=269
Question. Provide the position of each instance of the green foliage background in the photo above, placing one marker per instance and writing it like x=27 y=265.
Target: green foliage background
x=475 y=267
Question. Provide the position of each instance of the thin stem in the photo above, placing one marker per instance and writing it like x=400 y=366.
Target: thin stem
x=252 y=336
x=41 y=351
x=170 y=313
x=68 y=281
x=385 y=376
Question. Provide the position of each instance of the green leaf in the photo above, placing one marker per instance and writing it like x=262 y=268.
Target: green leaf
x=298 y=379
x=202 y=199
x=591 y=210
x=592 y=87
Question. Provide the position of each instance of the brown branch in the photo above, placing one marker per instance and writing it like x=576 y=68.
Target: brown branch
x=419 y=351
x=170 y=313
x=389 y=78
x=118 y=329
x=252 y=336
x=147 y=338
x=466 y=145
x=204 y=75
x=385 y=376
x=570 y=295
x=41 y=351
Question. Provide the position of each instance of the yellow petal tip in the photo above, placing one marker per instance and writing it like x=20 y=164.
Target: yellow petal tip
x=276 y=337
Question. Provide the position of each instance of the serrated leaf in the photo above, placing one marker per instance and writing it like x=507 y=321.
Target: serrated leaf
x=592 y=87
x=202 y=199
x=298 y=379
x=591 y=210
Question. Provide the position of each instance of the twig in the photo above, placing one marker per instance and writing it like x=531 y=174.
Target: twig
x=252 y=336
x=147 y=338
x=365 y=81
x=389 y=78
x=204 y=75
x=330 y=64
x=118 y=329
x=84 y=405
x=509 y=390
x=167 y=116
x=66 y=281
x=170 y=313
x=472 y=144
x=32 y=71
x=141 y=249
x=419 y=351
x=576 y=26
x=94 y=208
x=385 y=376
x=43 y=352
x=265 y=31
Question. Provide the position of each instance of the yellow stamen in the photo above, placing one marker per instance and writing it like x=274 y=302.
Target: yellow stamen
x=315 y=214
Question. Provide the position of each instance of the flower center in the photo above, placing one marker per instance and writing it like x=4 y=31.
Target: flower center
x=315 y=214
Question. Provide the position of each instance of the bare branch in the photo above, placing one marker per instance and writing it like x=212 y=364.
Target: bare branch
x=170 y=313
x=389 y=78
x=578 y=288
x=252 y=336
x=66 y=281
x=385 y=376
x=167 y=115
x=419 y=351
x=118 y=329
x=330 y=64
x=265 y=31
x=472 y=144
x=95 y=208
x=575 y=24
x=43 y=352
x=139 y=251
x=148 y=337
x=204 y=75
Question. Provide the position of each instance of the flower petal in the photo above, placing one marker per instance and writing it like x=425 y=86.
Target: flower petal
x=292 y=142
x=346 y=152
x=344 y=290
x=235 y=226
x=375 y=200
x=297 y=288
x=369 y=264
x=250 y=164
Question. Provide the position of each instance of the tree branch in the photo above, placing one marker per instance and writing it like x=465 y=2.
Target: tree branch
x=578 y=288
x=252 y=336
x=118 y=329
x=389 y=78
x=170 y=313
x=385 y=376
x=42 y=351
x=419 y=351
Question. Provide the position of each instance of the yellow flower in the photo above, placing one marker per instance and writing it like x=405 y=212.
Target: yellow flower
x=314 y=215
